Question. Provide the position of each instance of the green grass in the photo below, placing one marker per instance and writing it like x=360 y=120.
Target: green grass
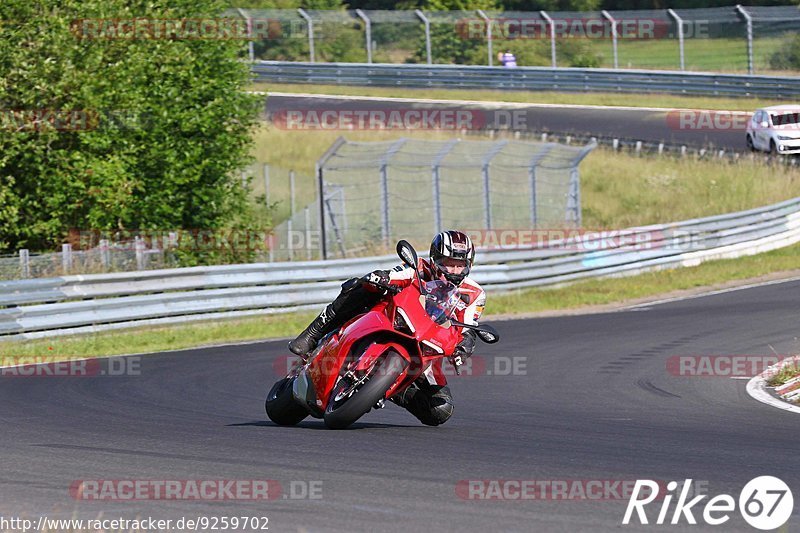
x=600 y=99
x=786 y=373
x=711 y=55
x=576 y=296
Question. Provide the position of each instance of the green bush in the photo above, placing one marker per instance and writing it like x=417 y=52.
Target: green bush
x=788 y=56
x=165 y=123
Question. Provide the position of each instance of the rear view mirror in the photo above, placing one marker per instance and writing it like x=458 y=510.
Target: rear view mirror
x=407 y=254
x=488 y=334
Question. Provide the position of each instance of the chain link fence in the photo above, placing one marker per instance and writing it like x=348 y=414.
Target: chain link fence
x=379 y=192
x=735 y=38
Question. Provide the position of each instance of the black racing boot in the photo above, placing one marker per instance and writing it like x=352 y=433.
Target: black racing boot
x=352 y=299
x=305 y=343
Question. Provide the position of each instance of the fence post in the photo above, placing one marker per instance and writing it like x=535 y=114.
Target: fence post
x=549 y=20
x=613 y=22
x=307 y=218
x=427 y=23
x=384 y=183
x=320 y=184
x=488 y=35
x=266 y=184
x=749 y=20
x=291 y=192
x=532 y=164
x=250 y=49
x=25 y=263
x=290 y=221
x=105 y=254
x=310 y=24
x=321 y=189
x=138 y=245
x=437 y=203
x=66 y=257
x=366 y=20
x=679 y=22
x=487 y=202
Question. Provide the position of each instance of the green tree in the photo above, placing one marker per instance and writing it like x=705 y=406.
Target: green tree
x=163 y=122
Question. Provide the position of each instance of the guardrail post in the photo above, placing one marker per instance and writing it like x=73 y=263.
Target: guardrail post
x=138 y=245
x=105 y=254
x=310 y=24
x=427 y=23
x=614 y=35
x=549 y=20
x=366 y=20
x=679 y=22
x=66 y=257
x=488 y=35
x=25 y=263
x=749 y=21
x=250 y=50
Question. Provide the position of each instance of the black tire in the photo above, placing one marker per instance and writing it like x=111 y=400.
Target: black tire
x=341 y=414
x=750 y=145
x=281 y=406
x=773 y=150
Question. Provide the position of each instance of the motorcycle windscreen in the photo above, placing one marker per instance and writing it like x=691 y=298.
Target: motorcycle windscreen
x=441 y=300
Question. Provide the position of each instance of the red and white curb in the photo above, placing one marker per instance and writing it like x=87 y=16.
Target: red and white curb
x=788 y=392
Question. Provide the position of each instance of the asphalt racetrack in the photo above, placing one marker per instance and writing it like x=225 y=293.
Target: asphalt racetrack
x=698 y=129
x=590 y=398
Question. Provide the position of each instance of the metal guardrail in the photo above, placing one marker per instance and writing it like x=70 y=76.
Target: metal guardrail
x=73 y=304
x=529 y=78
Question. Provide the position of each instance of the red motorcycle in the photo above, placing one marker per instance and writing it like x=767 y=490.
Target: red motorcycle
x=375 y=355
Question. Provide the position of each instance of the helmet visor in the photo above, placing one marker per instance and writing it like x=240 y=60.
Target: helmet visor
x=450 y=265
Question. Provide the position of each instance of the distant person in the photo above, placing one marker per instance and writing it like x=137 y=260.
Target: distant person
x=509 y=60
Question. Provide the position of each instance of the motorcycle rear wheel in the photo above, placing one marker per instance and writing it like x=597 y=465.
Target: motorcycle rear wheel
x=281 y=406
x=342 y=413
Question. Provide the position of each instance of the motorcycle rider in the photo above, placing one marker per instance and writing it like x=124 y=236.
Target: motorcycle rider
x=451 y=257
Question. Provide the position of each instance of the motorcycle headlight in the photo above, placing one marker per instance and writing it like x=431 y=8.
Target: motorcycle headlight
x=431 y=349
x=402 y=322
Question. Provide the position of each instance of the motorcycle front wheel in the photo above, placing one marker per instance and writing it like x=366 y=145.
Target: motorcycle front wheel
x=345 y=407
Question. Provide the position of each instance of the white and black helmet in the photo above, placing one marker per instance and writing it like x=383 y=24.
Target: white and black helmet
x=452 y=244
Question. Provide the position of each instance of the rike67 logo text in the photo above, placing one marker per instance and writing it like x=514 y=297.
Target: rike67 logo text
x=765 y=503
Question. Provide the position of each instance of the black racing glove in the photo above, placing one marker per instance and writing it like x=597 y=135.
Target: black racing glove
x=464 y=348
x=376 y=276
